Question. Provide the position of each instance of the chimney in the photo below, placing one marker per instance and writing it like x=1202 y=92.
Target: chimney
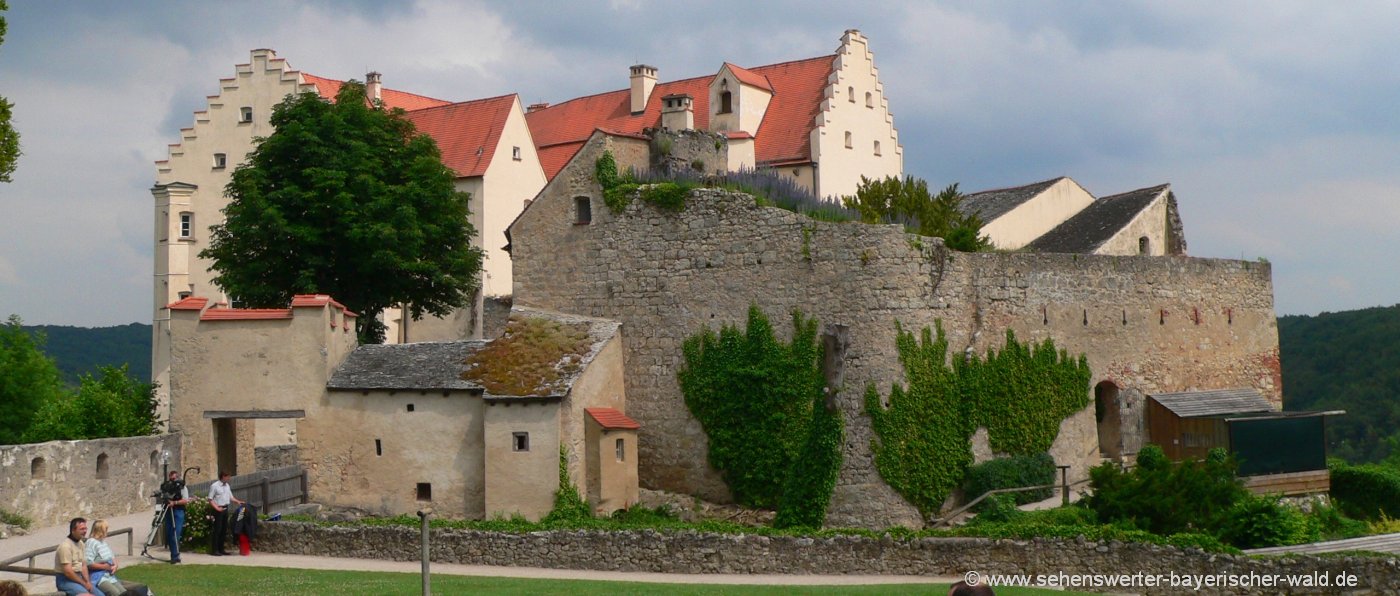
x=643 y=81
x=677 y=112
x=535 y=107
x=372 y=87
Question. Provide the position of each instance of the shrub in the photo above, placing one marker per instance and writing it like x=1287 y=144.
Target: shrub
x=199 y=526
x=1165 y=498
x=1365 y=491
x=14 y=519
x=1012 y=472
x=998 y=508
x=1256 y=522
x=1330 y=524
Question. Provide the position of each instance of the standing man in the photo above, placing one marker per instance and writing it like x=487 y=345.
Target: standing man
x=69 y=561
x=220 y=495
x=176 y=496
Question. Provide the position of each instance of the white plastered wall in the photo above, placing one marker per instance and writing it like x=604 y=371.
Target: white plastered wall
x=508 y=184
x=845 y=110
x=748 y=104
x=1033 y=218
x=1150 y=223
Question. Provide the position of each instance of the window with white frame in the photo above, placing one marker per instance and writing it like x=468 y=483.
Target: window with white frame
x=187 y=225
x=220 y=161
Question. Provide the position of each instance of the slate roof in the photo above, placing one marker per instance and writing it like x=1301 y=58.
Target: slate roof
x=1199 y=404
x=783 y=137
x=991 y=204
x=1097 y=223
x=392 y=98
x=467 y=133
x=417 y=366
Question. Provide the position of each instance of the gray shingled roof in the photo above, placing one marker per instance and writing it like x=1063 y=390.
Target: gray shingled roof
x=1197 y=404
x=1098 y=222
x=991 y=204
x=416 y=366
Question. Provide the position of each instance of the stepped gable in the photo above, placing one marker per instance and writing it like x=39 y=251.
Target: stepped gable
x=467 y=133
x=991 y=204
x=783 y=136
x=1098 y=222
x=429 y=366
x=328 y=88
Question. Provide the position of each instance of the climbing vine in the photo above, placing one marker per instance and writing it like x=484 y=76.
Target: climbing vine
x=618 y=189
x=1020 y=393
x=759 y=401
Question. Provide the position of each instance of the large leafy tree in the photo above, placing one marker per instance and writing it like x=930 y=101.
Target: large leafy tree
x=9 y=139
x=110 y=404
x=28 y=380
x=346 y=199
x=908 y=201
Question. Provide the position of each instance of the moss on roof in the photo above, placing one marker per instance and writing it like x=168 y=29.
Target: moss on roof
x=535 y=356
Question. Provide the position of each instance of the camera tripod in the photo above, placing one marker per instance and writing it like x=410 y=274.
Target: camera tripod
x=158 y=519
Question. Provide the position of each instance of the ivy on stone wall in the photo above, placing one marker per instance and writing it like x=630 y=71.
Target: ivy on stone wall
x=1021 y=394
x=759 y=401
x=619 y=188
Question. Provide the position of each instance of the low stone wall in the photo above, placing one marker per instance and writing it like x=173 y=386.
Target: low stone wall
x=693 y=552
x=52 y=482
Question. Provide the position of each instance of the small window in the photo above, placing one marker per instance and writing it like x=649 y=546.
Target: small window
x=38 y=469
x=851 y=94
x=220 y=161
x=186 y=225
x=519 y=441
x=1144 y=246
x=425 y=491
x=583 y=211
x=877 y=147
x=621 y=450
x=726 y=102
x=378 y=447
x=869 y=99
x=155 y=455
x=245 y=114
x=515 y=153
x=848 y=139
x=410 y=407
x=101 y=466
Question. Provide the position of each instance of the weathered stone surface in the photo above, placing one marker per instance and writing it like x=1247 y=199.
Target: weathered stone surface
x=52 y=482
x=694 y=552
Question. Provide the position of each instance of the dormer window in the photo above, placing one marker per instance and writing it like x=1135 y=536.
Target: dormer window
x=726 y=104
x=245 y=114
x=220 y=161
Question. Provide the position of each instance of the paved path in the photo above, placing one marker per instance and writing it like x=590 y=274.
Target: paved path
x=141 y=523
x=1381 y=543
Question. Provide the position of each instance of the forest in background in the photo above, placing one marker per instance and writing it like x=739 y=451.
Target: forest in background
x=82 y=350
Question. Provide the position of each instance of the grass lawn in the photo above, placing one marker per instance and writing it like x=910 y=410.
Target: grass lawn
x=211 y=580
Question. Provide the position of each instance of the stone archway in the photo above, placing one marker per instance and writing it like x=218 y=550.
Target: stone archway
x=1108 y=415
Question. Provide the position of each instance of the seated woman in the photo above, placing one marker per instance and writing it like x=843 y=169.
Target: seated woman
x=102 y=564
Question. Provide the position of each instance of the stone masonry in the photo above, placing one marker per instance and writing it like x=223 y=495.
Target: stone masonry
x=53 y=482
x=694 y=552
x=1146 y=324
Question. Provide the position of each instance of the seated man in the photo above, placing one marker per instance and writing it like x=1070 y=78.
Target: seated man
x=69 y=560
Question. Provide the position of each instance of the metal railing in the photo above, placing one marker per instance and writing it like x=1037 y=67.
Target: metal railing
x=1064 y=485
x=8 y=565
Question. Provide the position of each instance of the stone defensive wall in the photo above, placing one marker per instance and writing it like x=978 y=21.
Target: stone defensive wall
x=52 y=482
x=1146 y=324
x=694 y=552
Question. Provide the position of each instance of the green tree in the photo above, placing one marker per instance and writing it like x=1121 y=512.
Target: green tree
x=9 y=138
x=111 y=404
x=908 y=201
x=346 y=199
x=28 y=380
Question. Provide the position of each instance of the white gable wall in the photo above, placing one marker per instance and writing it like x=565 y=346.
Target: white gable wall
x=1033 y=218
x=1151 y=223
x=845 y=110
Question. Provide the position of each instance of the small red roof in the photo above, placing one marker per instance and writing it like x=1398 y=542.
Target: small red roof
x=749 y=77
x=393 y=98
x=784 y=136
x=611 y=418
x=190 y=303
x=245 y=314
x=467 y=133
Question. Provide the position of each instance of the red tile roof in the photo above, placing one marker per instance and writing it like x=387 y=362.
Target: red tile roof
x=190 y=303
x=783 y=136
x=467 y=133
x=393 y=98
x=318 y=300
x=245 y=314
x=611 y=418
x=749 y=77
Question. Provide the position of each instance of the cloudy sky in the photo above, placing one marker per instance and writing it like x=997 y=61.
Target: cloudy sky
x=1277 y=123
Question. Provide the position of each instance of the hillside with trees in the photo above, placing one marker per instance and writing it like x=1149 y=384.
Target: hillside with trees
x=1346 y=361
x=83 y=350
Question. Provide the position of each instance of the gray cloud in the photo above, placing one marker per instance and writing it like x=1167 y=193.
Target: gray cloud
x=1274 y=122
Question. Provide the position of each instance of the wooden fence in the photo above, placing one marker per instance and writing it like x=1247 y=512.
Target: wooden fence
x=269 y=490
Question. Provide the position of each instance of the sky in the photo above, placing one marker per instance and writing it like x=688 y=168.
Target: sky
x=1277 y=123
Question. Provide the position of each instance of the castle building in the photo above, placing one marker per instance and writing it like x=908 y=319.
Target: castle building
x=1058 y=215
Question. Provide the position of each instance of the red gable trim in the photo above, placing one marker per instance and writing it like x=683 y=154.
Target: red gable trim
x=246 y=314
x=392 y=98
x=191 y=303
x=611 y=418
x=738 y=134
x=467 y=133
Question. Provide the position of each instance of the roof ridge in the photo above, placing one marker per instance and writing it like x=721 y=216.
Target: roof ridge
x=462 y=103
x=342 y=82
x=694 y=78
x=1020 y=186
x=1159 y=188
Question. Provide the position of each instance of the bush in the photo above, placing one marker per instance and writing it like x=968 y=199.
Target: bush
x=14 y=519
x=1330 y=524
x=199 y=526
x=1165 y=498
x=1256 y=522
x=1367 y=491
x=1012 y=472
